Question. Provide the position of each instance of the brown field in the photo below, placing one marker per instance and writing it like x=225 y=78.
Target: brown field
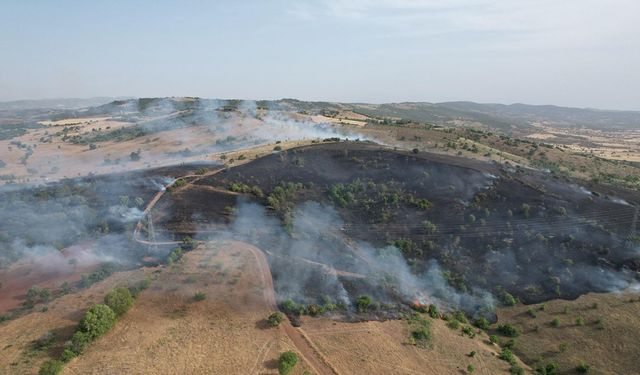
x=384 y=348
x=609 y=346
x=17 y=355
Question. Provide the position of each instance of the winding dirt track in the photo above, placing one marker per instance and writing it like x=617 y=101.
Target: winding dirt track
x=309 y=352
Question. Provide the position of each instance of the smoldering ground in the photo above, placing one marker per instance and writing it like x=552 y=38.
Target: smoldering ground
x=307 y=262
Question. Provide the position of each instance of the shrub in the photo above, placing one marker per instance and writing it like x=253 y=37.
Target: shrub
x=508 y=330
x=289 y=306
x=453 y=324
x=275 y=319
x=97 y=320
x=51 y=367
x=433 y=311
x=79 y=342
x=555 y=322
x=516 y=370
x=139 y=287
x=362 y=303
x=421 y=334
x=119 y=300
x=460 y=316
x=583 y=368
x=429 y=227
x=507 y=355
x=471 y=368
x=45 y=341
x=37 y=295
x=287 y=362
x=67 y=355
x=481 y=323
x=509 y=299
x=199 y=296
x=493 y=339
x=549 y=369
x=579 y=321
x=174 y=255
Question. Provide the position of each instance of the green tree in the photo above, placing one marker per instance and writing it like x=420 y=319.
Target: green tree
x=287 y=362
x=97 y=321
x=119 y=300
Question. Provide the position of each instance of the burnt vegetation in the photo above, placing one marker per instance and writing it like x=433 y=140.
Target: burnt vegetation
x=523 y=235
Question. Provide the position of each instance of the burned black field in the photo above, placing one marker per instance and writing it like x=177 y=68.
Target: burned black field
x=486 y=227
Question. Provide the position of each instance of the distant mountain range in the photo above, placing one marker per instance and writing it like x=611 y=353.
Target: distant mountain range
x=512 y=117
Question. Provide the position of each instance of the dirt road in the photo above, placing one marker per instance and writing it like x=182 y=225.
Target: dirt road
x=306 y=348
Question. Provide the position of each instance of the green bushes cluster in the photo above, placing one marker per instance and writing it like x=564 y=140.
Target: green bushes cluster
x=176 y=254
x=37 y=295
x=420 y=329
x=281 y=200
x=290 y=307
x=549 y=369
x=97 y=321
x=239 y=187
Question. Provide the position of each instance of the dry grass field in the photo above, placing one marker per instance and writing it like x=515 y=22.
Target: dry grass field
x=598 y=329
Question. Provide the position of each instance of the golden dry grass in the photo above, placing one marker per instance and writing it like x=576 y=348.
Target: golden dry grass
x=610 y=347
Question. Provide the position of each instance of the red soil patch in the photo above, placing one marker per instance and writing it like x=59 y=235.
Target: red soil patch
x=46 y=271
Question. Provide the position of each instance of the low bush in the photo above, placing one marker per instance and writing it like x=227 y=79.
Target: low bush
x=482 y=323
x=507 y=355
x=362 y=303
x=583 y=368
x=275 y=319
x=508 y=330
x=199 y=296
x=51 y=367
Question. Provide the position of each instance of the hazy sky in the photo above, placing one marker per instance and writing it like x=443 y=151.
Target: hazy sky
x=582 y=53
